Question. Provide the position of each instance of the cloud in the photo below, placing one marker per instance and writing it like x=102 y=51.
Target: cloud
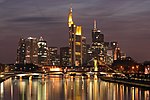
x=121 y=20
x=37 y=19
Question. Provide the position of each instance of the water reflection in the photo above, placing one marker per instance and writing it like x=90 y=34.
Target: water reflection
x=69 y=89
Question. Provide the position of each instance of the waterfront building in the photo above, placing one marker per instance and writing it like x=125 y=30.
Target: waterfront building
x=112 y=52
x=42 y=52
x=98 y=49
x=31 y=50
x=89 y=56
x=84 y=50
x=53 y=57
x=114 y=46
x=21 y=51
x=109 y=56
x=75 y=41
x=117 y=53
x=65 y=56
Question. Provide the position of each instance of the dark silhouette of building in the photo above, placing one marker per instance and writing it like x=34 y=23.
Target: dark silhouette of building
x=98 y=48
x=21 y=51
x=65 y=56
x=53 y=57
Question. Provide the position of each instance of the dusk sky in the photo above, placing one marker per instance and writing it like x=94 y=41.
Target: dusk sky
x=125 y=21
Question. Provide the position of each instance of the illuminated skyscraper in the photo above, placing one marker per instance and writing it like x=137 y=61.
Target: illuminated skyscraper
x=98 y=49
x=114 y=46
x=21 y=51
x=97 y=36
x=117 y=53
x=31 y=50
x=53 y=57
x=42 y=52
x=75 y=42
x=112 y=52
x=84 y=50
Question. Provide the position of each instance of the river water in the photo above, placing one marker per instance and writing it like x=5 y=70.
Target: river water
x=69 y=89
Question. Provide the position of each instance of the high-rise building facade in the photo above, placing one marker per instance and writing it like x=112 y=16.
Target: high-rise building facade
x=21 y=51
x=98 y=49
x=117 y=53
x=65 y=56
x=75 y=41
x=31 y=50
x=53 y=57
x=97 y=36
x=84 y=50
x=42 y=52
x=112 y=52
x=109 y=52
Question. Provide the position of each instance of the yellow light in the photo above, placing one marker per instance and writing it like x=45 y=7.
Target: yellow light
x=55 y=69
x=95 y=65
x=78 y=43
x=78 y=30
x=77 y=53
x=132 y=67
x=70 y=20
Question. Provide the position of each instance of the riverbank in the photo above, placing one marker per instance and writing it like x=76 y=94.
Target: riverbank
x=129 y=82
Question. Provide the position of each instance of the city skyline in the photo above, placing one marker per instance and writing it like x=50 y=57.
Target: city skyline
x=49 y=20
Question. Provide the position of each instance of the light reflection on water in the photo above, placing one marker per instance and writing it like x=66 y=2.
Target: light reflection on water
x=69 y=89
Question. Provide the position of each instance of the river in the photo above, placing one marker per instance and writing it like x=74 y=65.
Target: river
x=69 y=89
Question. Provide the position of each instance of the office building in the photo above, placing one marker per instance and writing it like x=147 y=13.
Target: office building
x=98 y=49
x=21 y=51
x=75 y=42
x=53 y=57
x=31 y=50
x=42 y=52
x=65 y=56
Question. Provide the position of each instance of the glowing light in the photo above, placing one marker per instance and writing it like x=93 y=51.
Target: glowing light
x=78 y=30
x=95 y=65
x=132 y=67
x=70 y=19
x=2 y=88
x=78 y=43
x=55 y=69
x=95 y=77
x=1 y=75
x=22 y=75
x=77 y=53
x=30 y=77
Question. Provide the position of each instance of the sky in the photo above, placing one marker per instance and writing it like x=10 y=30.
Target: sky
x=124 y=21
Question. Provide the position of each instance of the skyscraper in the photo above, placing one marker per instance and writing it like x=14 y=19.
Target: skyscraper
x=42 y=52
x=109 y=52
x=84 y=50
x=112 y=52
x=75 y=41
x=64 y=56
x=21 y=51
x=53 y=57
x=98 y=49
x=97 y=36
x=114 y=46
x=31 y=50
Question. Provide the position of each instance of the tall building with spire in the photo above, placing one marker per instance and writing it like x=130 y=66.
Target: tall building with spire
x=75 y=41
x=98 y=48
